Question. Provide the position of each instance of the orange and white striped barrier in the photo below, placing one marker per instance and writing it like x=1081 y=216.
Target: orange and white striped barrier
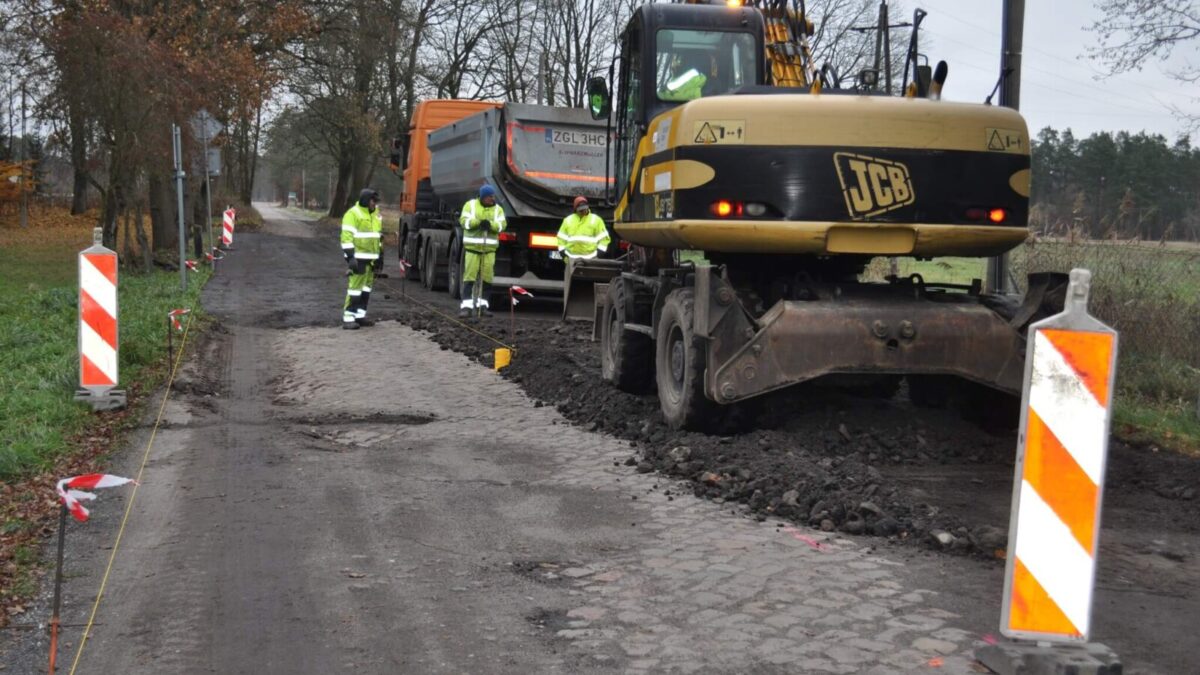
x=98 y=327
x=1059 y=482
x=227 y=227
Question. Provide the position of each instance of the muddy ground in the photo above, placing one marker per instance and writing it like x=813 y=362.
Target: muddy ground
x=816 y=454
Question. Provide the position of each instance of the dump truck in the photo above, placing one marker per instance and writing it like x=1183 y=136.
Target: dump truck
x=538 y=159
x=783 y=181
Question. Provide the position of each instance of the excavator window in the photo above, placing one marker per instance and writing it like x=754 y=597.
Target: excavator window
x=690 y=64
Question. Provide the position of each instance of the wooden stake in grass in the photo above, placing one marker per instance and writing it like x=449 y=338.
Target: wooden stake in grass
x=58 y=578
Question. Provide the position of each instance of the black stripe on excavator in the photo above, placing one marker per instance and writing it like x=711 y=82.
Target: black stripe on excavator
x=824 y=184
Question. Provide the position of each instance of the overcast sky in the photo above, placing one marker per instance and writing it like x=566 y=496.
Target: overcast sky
x=1060 y=86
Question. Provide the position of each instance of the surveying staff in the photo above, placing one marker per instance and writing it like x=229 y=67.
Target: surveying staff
x=361 y=229
x=482 y=220
x=582 y=233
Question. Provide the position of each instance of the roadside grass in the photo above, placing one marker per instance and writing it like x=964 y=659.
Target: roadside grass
x=45 y=434
x=38 y=337
x=1150 y=292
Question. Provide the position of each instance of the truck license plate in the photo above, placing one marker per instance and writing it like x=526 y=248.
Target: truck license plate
x=568 y=137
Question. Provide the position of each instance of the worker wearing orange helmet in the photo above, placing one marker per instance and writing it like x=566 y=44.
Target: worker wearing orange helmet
x=582 y=235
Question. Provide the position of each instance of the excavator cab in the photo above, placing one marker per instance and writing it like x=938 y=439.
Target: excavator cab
x=672 y=54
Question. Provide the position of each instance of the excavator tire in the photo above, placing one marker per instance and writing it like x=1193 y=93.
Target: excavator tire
x=626 y=357
x=679 y=366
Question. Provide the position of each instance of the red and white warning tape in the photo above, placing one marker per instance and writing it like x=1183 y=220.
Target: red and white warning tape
x=404 y=266
x=191 y=265
x=72 y=490
x=174 y=315
x=515 y=291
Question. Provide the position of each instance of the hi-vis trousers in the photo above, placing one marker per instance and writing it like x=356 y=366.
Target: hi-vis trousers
x=358 y=292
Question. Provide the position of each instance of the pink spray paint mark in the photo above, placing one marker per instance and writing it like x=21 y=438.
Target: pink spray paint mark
x=799 y=536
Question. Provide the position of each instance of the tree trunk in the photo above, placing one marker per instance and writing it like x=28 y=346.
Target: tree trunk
x=248 y=187
x=108 y=217
x=143 y=244
x=163 y=224
x=78 y=127
x=341 y=192
x=126 y=256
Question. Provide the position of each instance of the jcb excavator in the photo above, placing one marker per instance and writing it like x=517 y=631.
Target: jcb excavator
x=728 y=140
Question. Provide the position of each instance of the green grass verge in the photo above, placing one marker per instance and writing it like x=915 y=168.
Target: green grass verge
x=39 y=368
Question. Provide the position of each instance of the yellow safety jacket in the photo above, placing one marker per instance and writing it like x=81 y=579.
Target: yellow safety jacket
x=686 y=87
x=581 y=236
x=361 y=231
x=476 y=237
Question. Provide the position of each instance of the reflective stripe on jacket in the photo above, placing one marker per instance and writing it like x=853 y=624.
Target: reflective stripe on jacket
x=686 y=87
x=476 y=238
x=580 y=236
x=361 y=232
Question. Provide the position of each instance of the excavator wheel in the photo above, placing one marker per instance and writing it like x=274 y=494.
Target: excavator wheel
x=679 y=366
x=626 y=357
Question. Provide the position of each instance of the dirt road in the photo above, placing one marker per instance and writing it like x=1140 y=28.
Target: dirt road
x=323 y=501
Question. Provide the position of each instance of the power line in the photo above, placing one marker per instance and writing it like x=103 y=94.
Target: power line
x=1069 y=62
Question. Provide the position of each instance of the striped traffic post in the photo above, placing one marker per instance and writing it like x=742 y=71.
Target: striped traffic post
x=1054 y=531
x=98 y=327
x=227 y=227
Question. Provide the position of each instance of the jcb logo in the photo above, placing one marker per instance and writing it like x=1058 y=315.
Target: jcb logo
x=872 y=186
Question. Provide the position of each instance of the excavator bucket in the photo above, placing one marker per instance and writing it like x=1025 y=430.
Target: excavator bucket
x=579 y=297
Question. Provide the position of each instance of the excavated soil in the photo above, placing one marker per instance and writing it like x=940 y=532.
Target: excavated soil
x=816 y=455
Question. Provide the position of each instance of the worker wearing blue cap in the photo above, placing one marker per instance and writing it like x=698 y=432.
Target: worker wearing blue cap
x=482 y=221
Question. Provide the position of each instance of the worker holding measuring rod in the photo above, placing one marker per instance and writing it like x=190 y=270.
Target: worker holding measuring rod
x=482 y=221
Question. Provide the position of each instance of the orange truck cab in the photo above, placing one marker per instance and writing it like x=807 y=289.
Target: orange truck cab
x=428 y=116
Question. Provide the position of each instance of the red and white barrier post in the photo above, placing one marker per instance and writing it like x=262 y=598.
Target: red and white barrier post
x=98 y=328
x=1054 y=528
x=227 y=227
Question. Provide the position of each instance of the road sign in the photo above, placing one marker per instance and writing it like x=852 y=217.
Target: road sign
x=204 y=126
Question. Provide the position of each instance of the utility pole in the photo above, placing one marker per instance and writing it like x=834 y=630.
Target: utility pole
x=177 y=146
x=303 y=200
x=1011 y=39
x=883 y=46
x=206 y=228
x=24 y=157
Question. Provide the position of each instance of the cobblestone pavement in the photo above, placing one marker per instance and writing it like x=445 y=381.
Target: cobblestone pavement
x=671 y=583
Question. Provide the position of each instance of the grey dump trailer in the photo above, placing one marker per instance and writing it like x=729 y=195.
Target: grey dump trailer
x=538 y=159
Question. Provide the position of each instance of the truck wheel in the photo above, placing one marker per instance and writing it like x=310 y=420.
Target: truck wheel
x=410 y=248
x=679 y=365
x=454 y=282
x=625 y=356
x=428 y=264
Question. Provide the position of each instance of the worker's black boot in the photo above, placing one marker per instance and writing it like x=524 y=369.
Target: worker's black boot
x=483 y=298
x=467 y=296
x=349 y=325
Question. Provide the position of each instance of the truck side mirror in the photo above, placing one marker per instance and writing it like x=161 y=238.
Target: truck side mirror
x=599 y=100
x=398 y=160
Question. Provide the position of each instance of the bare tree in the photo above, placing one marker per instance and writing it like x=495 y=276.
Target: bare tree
x=1132 y=33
